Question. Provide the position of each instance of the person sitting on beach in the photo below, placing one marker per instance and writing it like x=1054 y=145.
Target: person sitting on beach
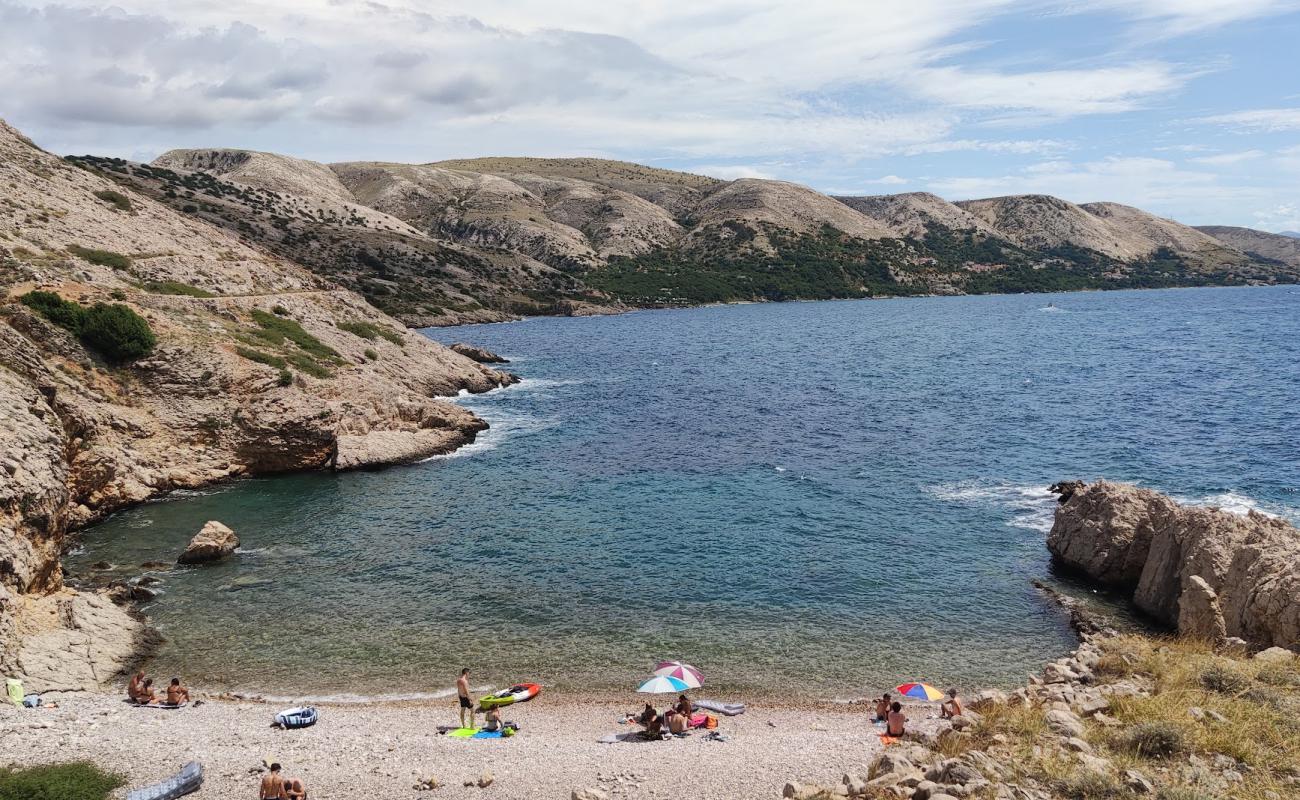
x=177 y=694
x=133 y=688
x=882 y=708
x=895 y=726
x=647 y=716
x=655 y=727
x=678 y=722
x=294 y=789
x=145 y=695
x=493 y=720
x=272 y=787
x=462 y=692
x=951 y=707
x=684 y=707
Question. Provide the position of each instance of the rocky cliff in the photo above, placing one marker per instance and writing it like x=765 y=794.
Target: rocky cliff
x=1206 y=572
x=259 y=366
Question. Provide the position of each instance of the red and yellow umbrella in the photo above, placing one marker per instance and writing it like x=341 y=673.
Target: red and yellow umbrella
x=920 y=691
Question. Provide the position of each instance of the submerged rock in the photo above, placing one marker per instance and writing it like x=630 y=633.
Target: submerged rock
x=1209 y=573
x=213 y=543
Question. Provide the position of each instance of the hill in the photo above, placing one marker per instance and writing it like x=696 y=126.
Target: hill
x=1279 y=247
x=491 y=238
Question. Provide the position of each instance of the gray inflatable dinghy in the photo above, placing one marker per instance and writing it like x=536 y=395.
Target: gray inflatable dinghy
x=189 y=779
x=725 y=709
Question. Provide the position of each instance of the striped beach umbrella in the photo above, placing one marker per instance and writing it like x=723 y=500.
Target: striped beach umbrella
x=920 y=691
x=685 y=673
x=662 y=684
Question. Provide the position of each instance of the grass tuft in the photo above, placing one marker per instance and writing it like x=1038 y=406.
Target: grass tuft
x=74 y=781
x=104 y=258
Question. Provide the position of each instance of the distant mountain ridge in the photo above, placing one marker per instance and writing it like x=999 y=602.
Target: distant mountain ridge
x=492 y=238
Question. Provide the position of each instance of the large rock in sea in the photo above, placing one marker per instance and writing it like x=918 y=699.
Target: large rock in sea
x=1206 y=572
x=213 y=543
x=478 y=354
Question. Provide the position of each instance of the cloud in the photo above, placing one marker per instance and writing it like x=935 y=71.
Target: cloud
x=1260 y=120
x=890 y=180
x=1058 y=93
x=1282 y=217
x=1228 y=159
x=1168 y=18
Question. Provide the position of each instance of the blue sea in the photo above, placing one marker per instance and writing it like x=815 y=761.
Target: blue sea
x=803 y=498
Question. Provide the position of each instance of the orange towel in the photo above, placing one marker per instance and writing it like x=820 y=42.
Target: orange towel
x=887 y=740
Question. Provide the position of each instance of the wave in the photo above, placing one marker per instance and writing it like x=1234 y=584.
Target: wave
x=502 y=427
x=1031 y=506
x=1241 y=505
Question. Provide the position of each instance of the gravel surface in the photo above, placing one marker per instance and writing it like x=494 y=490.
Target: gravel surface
x=382 y=750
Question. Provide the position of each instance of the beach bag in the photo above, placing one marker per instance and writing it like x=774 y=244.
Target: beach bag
x=32 y=701
x=14 y=687
x=710 y=721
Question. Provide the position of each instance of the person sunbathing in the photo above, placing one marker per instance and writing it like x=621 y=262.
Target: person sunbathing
x=493 y=721
x=882 y=708
x=951 y=707
x=146 y=696
x=177 y=694
x=896 y=725
x=133 y=688
x=294 y=789
x=647 y=716
x=684 y=706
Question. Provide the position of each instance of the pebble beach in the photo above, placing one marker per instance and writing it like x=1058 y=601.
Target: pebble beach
x=386 y=749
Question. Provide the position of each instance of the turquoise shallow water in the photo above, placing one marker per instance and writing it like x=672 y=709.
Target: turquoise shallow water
x=821 y=496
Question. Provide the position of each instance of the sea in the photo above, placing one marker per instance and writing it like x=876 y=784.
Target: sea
x=800 y=499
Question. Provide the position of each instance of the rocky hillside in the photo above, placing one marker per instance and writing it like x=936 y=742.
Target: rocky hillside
x=143 y=349
x=1280 y=247
x=1208 y=573
x=491 y=238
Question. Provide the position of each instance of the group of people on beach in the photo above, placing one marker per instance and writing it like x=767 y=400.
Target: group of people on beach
x=890 y=712
x=277 y=787
x=674 y=720
x=492 y=721
x=141 y=691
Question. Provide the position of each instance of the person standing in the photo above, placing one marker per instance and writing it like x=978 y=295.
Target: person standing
x=462 y=692
x=272 y=785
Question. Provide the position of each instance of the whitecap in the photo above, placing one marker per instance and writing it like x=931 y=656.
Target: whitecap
x=1241 y=505
x=1031 y=506
x=502 y=427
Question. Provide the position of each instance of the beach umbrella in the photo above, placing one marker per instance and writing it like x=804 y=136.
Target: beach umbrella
x=920 y=691
x=663 y=684
x=685 y=673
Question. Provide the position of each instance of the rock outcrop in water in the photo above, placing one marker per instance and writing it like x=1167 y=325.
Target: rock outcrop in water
x=479 y=354
x=259 y=366
x=1203 y=571
x=213 y=543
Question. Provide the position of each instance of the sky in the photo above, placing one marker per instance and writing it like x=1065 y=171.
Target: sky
x=1187 y=108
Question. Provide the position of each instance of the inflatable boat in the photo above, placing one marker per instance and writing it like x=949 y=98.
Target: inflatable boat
x=519 y=693
x=297 y=717
x=189 y=779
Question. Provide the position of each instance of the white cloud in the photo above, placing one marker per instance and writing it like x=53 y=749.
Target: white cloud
x=1229 y=159
x=1056 y=93
x=1266 y=120
x=1166 y=18
x=1282 y=217
x=731 y=172
x=890 y=180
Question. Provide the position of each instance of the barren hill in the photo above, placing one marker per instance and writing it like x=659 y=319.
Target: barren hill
x=161 y=352
x=1281 y=247
x=915 y=213
x=1148 y=233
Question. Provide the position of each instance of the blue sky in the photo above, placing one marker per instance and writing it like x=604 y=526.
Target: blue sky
x=1188 y=108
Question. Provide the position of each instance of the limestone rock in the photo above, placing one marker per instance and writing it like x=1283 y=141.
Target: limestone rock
x=1065 y=723
x=1220 y=574
x=479 y=354
x=1275 y=655
x=1137 y=782
x=485 y=779
x=213 y=543
x=589 y=794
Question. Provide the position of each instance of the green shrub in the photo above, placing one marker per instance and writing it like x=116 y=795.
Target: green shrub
x=276 y=329
x=64 y=313
x=369 y=330
x=189 y=209
x=1155 y=739
x=116 y=199
x=105 y=258
x=260 y=357
x=1221 y=679
x=371 y=354
x=307 y=364
x=75 y=781
x=286 y=378
x=117 y=294
x=279 y=311
x=175 y=287
x=117 y=332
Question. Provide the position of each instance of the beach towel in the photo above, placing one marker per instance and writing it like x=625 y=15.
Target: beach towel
x=15 y=689
x=698 y=720
x=887 y=740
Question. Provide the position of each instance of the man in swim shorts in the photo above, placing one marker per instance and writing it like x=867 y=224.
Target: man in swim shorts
x=462 y=692
x=272 y=785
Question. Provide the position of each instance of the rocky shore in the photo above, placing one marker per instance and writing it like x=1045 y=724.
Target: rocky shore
x=254 y=366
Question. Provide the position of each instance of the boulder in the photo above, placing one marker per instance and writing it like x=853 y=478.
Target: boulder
x=1222 y=575
x=478 y=354
x=213 y=543
x=1137 y=782
x=485 y=780
x=888 y=762
x=986 y=698
x=1065 y=723
x=588 y=794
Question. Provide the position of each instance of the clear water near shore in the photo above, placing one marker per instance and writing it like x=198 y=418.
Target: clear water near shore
x=821 y=497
